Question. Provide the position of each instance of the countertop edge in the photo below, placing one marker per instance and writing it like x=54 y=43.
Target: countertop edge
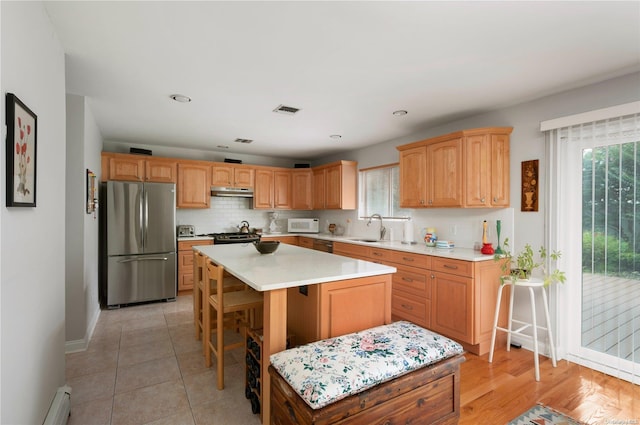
x=466 y=254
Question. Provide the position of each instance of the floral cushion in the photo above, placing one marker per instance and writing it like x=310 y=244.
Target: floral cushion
x=326 y=371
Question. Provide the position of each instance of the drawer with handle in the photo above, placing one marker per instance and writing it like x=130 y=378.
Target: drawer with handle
x=406 y=307
x=409 y=259
x=412 y=280
x=379 y=254
x=457 y=267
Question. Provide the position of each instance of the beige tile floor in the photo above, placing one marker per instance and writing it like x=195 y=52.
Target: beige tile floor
x=144 y=366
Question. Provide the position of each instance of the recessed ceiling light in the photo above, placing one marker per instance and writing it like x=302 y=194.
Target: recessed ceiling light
x=180 y=98
x=399 y=112
x=335 y=137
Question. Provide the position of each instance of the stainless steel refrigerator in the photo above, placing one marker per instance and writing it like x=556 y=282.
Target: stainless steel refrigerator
x=140 y=242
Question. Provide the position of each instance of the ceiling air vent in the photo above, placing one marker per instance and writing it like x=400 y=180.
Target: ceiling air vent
x=243 y=140
x=287 y=110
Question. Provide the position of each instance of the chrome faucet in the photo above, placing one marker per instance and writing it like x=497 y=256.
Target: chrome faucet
x=383 y=230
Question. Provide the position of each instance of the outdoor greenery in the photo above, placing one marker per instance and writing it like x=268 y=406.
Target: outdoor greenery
x=611 y=208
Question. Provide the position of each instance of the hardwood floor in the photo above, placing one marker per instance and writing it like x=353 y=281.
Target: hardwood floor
x=498 y=392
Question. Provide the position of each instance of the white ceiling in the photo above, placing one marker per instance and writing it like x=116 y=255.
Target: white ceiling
x=347 y=65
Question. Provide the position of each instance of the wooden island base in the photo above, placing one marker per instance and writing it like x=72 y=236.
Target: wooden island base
x=426 y=396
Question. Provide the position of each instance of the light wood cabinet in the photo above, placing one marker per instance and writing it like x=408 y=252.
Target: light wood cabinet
x=413 y=169
x=452 y=310
x=351 y=250
x=464 y=299
x=455 y=298
x=289 y=240
x=431 y=174
x=272 y=189
x=301 y=189
x=444 y=171
x=263 y=191
x=326 y=310
x=467 y=168
x=185 y=263
x=161 y=170
x=125 y=167
x=335 y=186
x=487 y=170
x=229 y=175
x=194 y=184
x=319 y=188
x=305 y=242
x=282 y=189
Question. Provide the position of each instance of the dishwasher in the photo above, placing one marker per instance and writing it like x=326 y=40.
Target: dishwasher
x=323 y=245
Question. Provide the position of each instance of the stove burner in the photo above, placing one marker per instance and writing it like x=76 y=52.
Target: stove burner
x=237 y=237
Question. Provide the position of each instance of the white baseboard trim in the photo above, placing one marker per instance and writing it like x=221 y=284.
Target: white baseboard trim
x=82 y=344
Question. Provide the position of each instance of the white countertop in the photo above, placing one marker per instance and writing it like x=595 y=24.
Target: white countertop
x=467 y=254
x=290 y=266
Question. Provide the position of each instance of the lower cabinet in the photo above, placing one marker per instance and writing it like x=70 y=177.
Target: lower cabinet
x=326 y=310
x=185 y=263
x=455 y=298
x=290 y=240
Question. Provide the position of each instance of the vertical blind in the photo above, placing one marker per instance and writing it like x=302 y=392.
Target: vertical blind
x=605 y=154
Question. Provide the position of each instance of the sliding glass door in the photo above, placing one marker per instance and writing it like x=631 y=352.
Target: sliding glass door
x=610 y=326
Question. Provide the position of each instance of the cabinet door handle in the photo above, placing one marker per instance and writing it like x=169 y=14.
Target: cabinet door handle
x=407 y=307
x=433 y=276
x=378 y=254
x=482 y=200
x=407 y=279
x=495 y=199
x=407 y=259
x=449 y=266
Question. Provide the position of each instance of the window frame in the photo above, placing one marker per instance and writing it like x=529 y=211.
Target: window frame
x=362 y=192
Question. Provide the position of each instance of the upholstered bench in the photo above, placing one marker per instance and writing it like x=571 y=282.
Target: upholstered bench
x=396 y=373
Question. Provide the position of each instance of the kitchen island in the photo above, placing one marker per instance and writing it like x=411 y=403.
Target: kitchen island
x=354 y=294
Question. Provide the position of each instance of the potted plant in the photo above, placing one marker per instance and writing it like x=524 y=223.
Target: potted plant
x=520 y=266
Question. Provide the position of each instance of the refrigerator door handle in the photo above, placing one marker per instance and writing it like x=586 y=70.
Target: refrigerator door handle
x=146 y=218
x=141 y=219
x=129 y=260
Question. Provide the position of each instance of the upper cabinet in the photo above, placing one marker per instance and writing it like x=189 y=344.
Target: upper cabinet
x=229 y=175
x=263 y=191
x=468 y=168
x=330 y=186
x=335 y=185
x=138 y=168
x=301 y=184
x=272 y=188
x=194 y=184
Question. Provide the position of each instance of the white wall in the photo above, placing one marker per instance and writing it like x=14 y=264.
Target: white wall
x=33 y=239
x=527 y=142
x=84 y=145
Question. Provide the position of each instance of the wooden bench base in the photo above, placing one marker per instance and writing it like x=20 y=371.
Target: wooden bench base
x=429 y=395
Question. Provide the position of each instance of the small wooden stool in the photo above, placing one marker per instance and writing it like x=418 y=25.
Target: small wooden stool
x=531 y=284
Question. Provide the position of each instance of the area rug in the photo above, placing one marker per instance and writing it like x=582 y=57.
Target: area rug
x=543 y=415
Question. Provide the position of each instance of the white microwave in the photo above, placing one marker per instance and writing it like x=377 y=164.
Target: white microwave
x=303 y=225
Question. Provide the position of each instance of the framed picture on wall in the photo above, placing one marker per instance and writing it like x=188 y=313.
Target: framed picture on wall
x=22 y=132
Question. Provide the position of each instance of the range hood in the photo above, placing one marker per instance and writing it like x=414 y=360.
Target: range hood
x=236 y=192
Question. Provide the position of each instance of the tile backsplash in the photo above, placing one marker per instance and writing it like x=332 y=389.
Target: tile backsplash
x=462 y=226
x=225 y=214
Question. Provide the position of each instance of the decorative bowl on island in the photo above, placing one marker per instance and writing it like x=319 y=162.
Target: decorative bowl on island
x=266 y=247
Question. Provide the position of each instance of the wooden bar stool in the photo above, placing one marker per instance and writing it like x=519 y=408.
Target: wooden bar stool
x=530 y=284
x=230 y=284
x=225 y=303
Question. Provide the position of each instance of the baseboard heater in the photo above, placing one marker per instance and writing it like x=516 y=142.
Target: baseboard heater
x=60 y=408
